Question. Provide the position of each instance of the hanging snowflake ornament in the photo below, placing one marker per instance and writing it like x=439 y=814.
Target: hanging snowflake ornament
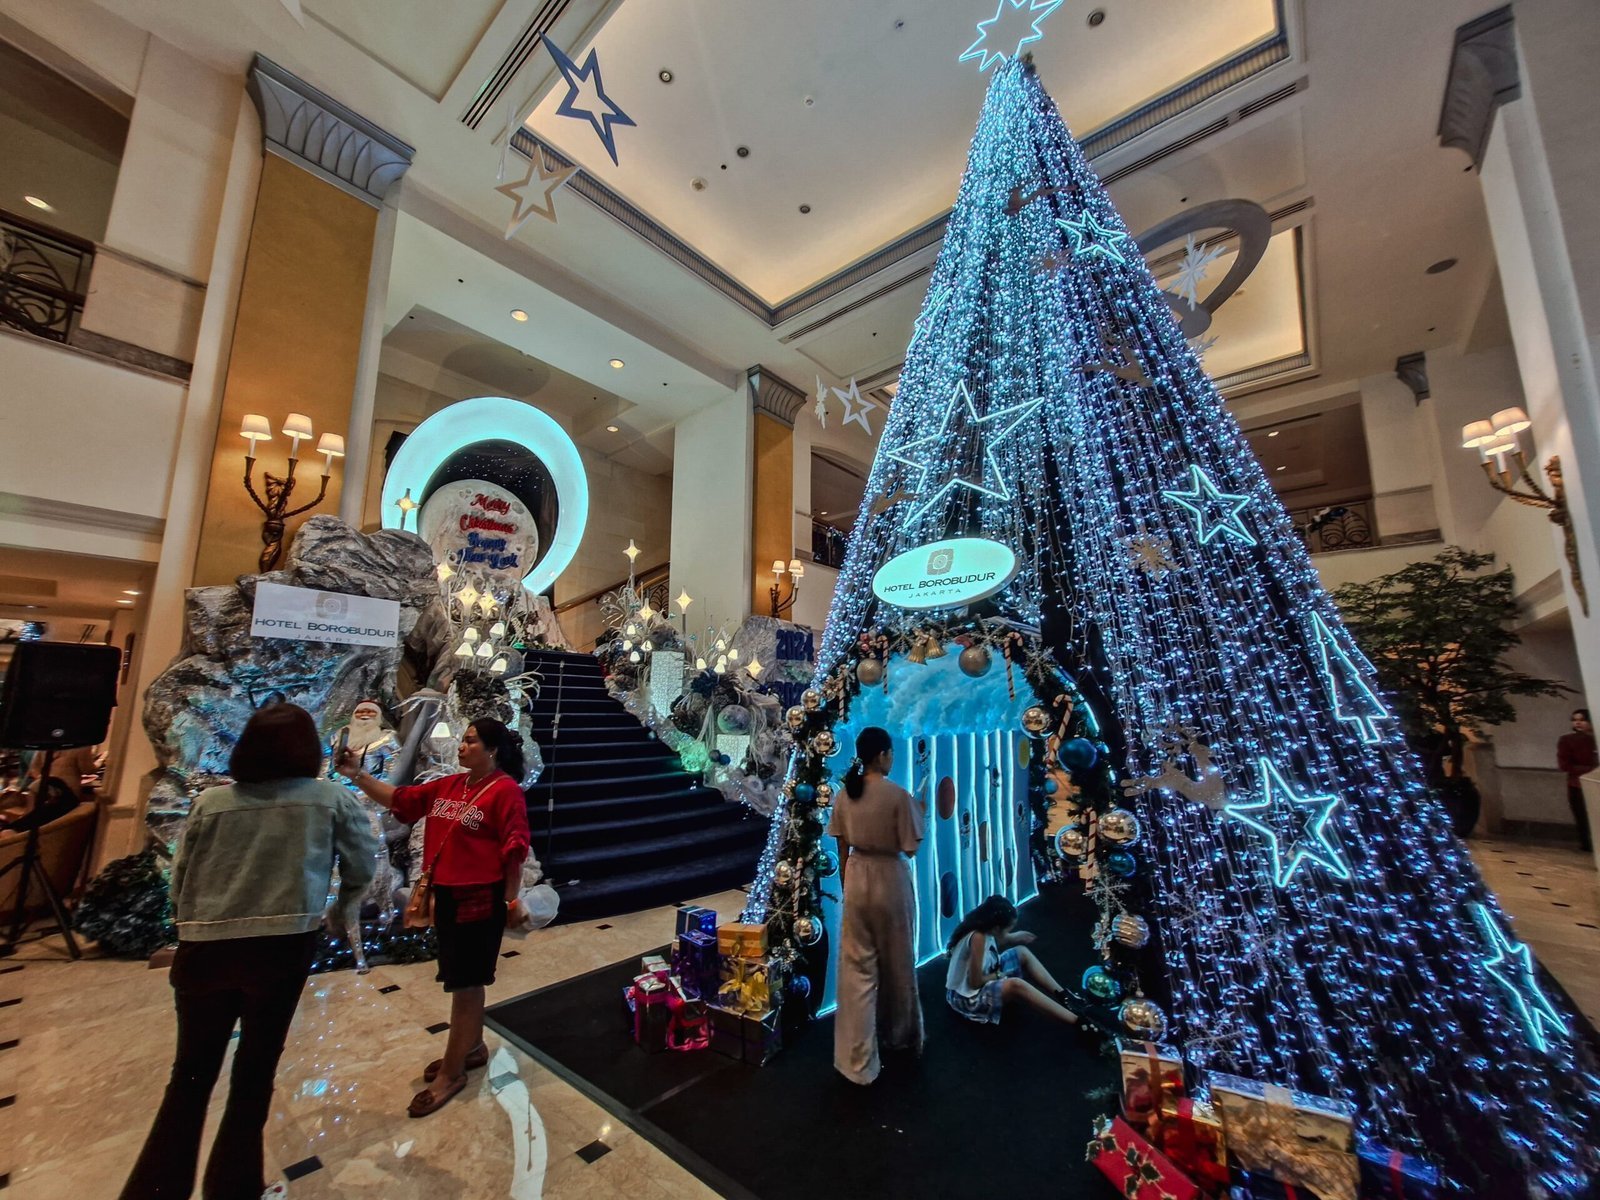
x=821 y=406
x=1152 y=555
x=1192 y=271
x=1201 y=346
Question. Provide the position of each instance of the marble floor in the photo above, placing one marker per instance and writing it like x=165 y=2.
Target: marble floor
x=85 y=1048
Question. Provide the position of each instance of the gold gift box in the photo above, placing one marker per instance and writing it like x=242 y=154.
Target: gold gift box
x=745 y=986
x=742 y=941
x=1299 y=1139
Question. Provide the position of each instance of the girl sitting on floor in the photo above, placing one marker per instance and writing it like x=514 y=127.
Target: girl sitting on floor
x=991 y=966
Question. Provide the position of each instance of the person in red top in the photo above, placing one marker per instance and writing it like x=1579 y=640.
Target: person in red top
x=1576 y=755
x=474 y=844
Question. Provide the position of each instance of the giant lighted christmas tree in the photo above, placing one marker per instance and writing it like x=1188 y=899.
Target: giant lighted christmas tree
x=1313 y=922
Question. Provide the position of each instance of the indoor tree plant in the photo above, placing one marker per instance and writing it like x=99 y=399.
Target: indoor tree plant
x=1437 y=632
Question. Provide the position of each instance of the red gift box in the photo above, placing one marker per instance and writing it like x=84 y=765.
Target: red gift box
x=1136 y=1168
x=1190 y=1135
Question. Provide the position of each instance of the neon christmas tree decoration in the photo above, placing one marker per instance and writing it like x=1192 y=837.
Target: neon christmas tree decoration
x=1325 y=931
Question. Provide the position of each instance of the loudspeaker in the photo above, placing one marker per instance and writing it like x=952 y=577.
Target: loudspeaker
x=58 y=694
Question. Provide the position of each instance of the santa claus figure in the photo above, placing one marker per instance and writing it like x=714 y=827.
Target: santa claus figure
x=367 y=733
x=377 y=744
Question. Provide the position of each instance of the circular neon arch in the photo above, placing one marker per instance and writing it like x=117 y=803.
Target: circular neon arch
x=497 y=418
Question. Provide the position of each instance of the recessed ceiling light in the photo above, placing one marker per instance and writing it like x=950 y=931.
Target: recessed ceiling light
x=1440 y=267
x=1096 y=17
x=124 y=601
x=1275 y=433
x=611 y=429
x=519 y=314
x=664 y=75
x=130 y=591
x=1285 y=467
x=742 y=151
x=617 y=364
x=805 y=208
x=43 y=205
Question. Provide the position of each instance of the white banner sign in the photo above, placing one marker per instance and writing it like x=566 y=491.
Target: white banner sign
x=945 y=574
x=307 y=615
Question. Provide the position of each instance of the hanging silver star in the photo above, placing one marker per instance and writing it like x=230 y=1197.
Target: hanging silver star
x=550 y=179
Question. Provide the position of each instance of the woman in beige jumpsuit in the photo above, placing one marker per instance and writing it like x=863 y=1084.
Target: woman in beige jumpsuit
x=879 y=827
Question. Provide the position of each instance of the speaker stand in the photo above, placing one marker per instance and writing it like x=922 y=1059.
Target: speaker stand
x=31 y=867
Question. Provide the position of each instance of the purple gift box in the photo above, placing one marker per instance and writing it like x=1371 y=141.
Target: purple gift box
x=694 y=959
x=694 y=919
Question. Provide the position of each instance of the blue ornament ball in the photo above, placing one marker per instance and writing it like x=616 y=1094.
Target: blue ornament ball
x=1102 y=984
x=1051 y=787
x=804 y=791
x=723 y=760
x=1121 y=863
x=800 y=986
x=1078 y=754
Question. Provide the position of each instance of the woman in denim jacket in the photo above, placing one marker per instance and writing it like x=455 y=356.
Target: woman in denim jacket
x=249 y=887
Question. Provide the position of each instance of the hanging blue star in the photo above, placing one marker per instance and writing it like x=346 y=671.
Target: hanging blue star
x=1278 y=806
x=1037 y=9
x=1354 y=702
x=1202 y=497
x=935 y=452
x=589 y=73
x=1090 y=239
x=1512 y=968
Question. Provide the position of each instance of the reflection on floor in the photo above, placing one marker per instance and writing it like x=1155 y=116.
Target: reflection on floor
x=86 y=1051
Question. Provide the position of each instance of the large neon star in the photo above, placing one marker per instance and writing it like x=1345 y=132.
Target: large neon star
x=1033 y=13
x=1090 y=239
x=576 y=77
x=1279 y=804
x=1354 y=703
x=1512 y=967
x=1203 y=498
x=935 y=450
x=929 y=314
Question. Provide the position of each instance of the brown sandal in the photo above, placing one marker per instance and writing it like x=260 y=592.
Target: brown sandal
x=477 y=1057
x=425 y=1103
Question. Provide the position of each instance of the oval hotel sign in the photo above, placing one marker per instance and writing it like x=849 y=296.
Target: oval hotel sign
x=945 y=574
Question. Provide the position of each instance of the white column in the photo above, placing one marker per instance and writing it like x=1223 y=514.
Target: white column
x=712 y=476
x=358 y=438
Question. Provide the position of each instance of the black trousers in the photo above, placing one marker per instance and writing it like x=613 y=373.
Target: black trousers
x=1580 y=815
x=256 y=984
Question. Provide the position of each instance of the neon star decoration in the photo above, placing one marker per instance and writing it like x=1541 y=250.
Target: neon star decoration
x=1354 y=702
x=1030 y=13
x=929 y=314
x=1205 y=500
x=1279 y=805
x=599 y=110
x=856 y=406
x=1511 y=965
x=549 y=181
x=930 y=453
x=1090 y=239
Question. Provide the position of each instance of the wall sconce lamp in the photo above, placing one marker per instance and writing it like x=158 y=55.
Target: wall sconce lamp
x=275 y=508
x=797 y=572
x=1497 y=441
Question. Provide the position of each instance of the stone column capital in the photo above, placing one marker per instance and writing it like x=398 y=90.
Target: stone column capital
x=774 y=397
x=1483 y=76
x=313 y=130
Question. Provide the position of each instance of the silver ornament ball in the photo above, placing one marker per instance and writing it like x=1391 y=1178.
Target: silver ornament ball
x=1120 y=827
x=1072 y=842
x=1035 y=720
x=808 y=931
x=1143 y=1018
x=783 y=874
x=975 y=661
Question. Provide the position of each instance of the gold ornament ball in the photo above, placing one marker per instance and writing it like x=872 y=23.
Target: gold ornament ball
x=870 y=672
x=1072 y=842
x=824 y=793
x=783 y=874
x=808 y=931
x=1119 y=826
x=975 y=661
x=823 y=744
x=796 y=717
x=811 y=699
x=1035 y=720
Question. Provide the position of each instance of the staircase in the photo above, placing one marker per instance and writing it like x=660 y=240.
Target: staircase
x=629 y=828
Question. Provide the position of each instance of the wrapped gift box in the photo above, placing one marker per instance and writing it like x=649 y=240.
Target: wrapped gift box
x=1152 y=1075
x=654 y=964
x=1390 y=1175
x=750 y=1037
x=1292 y=1137
x=695 y=960
x=1136 y=1168
x=1189 y=1132
x=694 y=919
x=652 y=1015
x=744 y=985
x=742 y=941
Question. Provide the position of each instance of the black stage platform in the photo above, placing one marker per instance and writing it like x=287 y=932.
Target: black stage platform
x=986 y=1111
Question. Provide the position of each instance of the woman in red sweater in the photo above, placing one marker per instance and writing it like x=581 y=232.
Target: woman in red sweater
x=473 y=844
